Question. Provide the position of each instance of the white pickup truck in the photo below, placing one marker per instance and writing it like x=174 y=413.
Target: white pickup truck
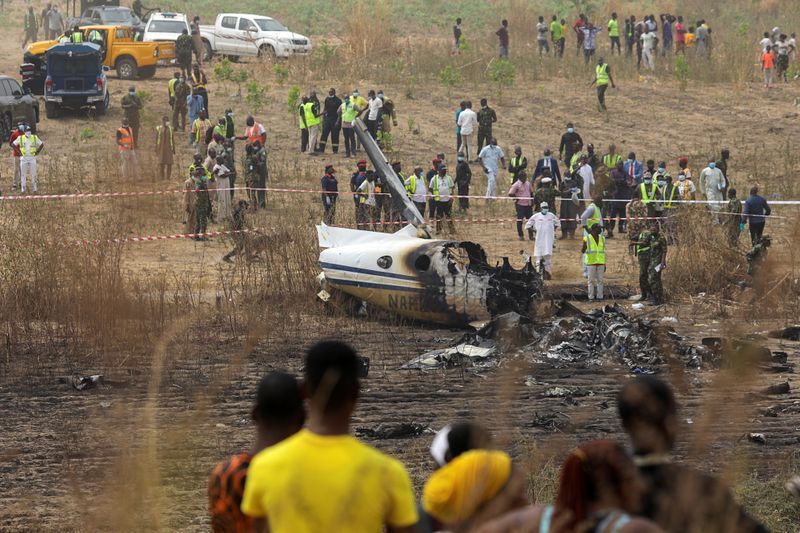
x=239 y=34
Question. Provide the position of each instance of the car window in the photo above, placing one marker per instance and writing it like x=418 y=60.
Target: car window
x=15 y=88
x=166 y=26
x=123 y=33
x=247 y=25
x=228 y=22
x=117 y=15
x=5 y=90
x=270 y=25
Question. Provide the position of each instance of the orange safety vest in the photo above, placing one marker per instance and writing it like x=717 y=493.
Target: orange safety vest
x=253 y=134
x=125 y=141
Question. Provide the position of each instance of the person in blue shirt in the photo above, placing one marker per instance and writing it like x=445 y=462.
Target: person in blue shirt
x=755 y=212
x=633 y=168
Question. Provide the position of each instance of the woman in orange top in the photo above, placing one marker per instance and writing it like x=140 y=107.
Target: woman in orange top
x=768 y=66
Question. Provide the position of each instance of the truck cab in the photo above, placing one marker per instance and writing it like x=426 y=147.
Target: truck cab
x=76 y=79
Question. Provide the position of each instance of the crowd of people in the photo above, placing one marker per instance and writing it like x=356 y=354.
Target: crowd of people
x=776 y=50
x=306 y=472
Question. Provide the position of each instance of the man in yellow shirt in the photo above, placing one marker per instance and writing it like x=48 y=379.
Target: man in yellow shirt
x=322 y=478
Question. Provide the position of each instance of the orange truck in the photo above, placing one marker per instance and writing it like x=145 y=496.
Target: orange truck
x=130 y=58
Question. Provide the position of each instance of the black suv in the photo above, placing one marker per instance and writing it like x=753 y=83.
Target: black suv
x=16 y=106
x=107 y=15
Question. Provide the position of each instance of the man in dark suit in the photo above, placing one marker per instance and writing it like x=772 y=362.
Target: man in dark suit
x=548 y=162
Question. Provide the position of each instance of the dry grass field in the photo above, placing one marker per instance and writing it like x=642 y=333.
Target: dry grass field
x=181 y=338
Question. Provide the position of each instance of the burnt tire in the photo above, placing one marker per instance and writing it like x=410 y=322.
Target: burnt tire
x=208 y=53
x=126 y=68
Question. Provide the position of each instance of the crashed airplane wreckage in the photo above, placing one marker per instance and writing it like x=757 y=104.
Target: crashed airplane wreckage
x=412 y=275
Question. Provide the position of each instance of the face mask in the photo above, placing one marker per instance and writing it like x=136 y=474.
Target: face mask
x=380 y=95
x=648 y=181
x=355 y=94
x=27 y=134
x=570 y=130
x=712 y=165
x=681 y=178
x=331 y=94
x=461 y=159
x=132 y=93
x=661 y=183
x=181 y=80
x=545 y=210
x=547 y=154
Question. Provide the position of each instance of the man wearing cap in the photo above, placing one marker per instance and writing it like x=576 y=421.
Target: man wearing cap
x=132 y=106
x=358 y=177
x=19 y=132
x=463 y=179
x=29 y=145
x=523 y=202
x=441 y=187
x=543 y=224
x=129 y=165
x=545 y=193
x=417 y=189
x=489 y=157
x=330 y=193
x=547 y=162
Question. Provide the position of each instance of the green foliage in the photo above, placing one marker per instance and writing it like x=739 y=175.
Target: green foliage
x=281 y=73
x=223 y=70
x=411 y=124
x=239 y=77
x=386 y=141
x=255 y=96
x=502 y=72
x=449 y=76
x=144 y=95
x=324 y=55
x=682 y=71
x=293 y=100
x=87 y=133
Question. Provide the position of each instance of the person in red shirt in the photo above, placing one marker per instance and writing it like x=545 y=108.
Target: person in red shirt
x=578 y=29
x=19 y=132
x=278 y=414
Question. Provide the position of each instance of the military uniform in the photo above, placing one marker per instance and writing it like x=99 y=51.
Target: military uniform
x=545 y=194
x=255 y=176
x=658 y=254
x=182 y=91
x=131 y=106
x=732 y=219
x=183 y=50
x=642 y=251
x=486 y=118
x=202 y=207
x=636 y=214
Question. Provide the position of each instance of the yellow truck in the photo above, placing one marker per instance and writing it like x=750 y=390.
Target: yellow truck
x=130 y=58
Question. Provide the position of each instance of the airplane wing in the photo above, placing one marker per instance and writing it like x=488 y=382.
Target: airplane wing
x=333 y=237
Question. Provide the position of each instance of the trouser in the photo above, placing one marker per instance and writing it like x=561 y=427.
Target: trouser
x=372 y=127
x=491 y=183
x=484 y=136
x=615 y=42
x=179 y=111
x=260 y=184
x=544 y=46
x=463 y=202
x=649 y=57
x=617 y=211
x=16 y=172
x=135 y=131
x=756 y=230
x=250 y=183
x=165 y=171
x=349 y=141
x=579 y=47
x=546 y=259
x=638 y=55
x=667 y=46
x=370 y=217
x=27 y=168
x=329 y=126
x=129 y=164
x=330 y=211
x=201 y=226
x=629 y=46
x=313 y=138
x=524 y=212
x=503 y=52
x=185 y=62
x=596 y=281
x=644 y=275
x=561 y=43
x=601 y=95
x=458 y=141
x=204 y=95
x=444 y=210
x=680 y=48
x=656 y=289
x=588 y=53
x=467 y=140
x=768 y=74
x=421 y=208
x=303 y=139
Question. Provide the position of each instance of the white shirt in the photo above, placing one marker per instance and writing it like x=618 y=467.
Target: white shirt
x=444 y=187
x=490 y=156
x=648 y=40
x=375 y=106
x=467 y=121
x=766 y=41
x=545 y=228
x=420 y=193
x=369 y=187
x=542 y=29
x=686 y=186
x=588 y=180
x=25 y=144
x=220 y=170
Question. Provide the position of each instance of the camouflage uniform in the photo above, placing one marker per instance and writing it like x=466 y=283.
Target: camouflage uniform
x=732 y=219
x=179 y=110
x=486 y=119
x=636 y=210
x=545 y=194
x=183 y=50
x=643 y=254
x=202 y=207
x=658 y=254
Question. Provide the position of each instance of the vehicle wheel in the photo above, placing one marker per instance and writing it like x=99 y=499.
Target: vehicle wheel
x=266 y=51
x=32 y=122
x=233 y=59
x=127 y=68
x=208 y=52
x=147 y=72
x=100 y=108
x=51 y=110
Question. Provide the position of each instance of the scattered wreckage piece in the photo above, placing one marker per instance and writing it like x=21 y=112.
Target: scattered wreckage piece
x=791 y=333
x=393 y=430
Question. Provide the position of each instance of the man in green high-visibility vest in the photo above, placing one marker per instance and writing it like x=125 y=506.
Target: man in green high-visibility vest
x=602 y=77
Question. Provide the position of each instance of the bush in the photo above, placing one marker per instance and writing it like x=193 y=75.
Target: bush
x=682 y=71
x=281 y=73
x=87 y=133
x=502 y=72
x=255 y=96
x=449 y=76
x=293 y=100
